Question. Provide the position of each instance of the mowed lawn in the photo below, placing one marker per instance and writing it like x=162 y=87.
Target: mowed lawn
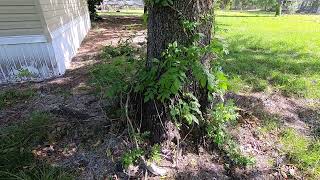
x=270 y=53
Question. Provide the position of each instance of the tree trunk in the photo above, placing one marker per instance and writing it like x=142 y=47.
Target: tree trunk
x=164 y=27
x=145 y=10
x=279 y=8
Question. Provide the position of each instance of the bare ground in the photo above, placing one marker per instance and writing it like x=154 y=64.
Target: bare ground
x=90 y=143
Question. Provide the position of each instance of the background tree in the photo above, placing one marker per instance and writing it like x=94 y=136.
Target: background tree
x=265 y=5
x=279 y=8
x=92 y=9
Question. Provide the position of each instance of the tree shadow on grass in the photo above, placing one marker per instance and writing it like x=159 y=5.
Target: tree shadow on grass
x=285 y=68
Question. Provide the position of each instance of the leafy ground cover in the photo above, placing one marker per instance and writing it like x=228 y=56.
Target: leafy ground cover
x=270 y=53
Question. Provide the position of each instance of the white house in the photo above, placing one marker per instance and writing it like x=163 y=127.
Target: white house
x=38 y=38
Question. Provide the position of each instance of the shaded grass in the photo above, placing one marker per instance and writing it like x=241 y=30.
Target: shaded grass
x=11 y=97
x=272 y=53
x=303 y=152
x=16 y=145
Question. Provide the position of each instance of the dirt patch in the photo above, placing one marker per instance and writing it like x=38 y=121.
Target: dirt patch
x=300 y=114
x=259 y=110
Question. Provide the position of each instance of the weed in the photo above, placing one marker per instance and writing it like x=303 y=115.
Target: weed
x=123 y=49
x=141 y=137
x=11 y=97
x=235 y=155
x=270 y=124
x=258 y=85
x=17 y=141
x=155 y=154
x=113 y=78
x=25 y=73
x=220 y=116
x=216 y=129
x=165 y=81
x=131 y=157
x=187 y=109
x=117 y=73
x=42 y=172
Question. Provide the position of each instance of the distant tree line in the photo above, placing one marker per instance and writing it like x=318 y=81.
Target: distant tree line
x=290 y=6
x=246 y=4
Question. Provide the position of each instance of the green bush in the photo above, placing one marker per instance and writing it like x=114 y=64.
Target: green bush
x=116 y=74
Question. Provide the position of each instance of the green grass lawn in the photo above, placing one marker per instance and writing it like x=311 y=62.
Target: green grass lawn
x=270 y=53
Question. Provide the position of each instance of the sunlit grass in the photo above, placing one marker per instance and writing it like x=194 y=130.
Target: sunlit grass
x=303 y=152
x=272 y=53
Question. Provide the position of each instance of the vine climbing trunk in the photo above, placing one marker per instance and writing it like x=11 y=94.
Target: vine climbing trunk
x=165 y=27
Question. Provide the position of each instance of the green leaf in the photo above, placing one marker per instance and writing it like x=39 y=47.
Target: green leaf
x=195 y=119
x=211 y=83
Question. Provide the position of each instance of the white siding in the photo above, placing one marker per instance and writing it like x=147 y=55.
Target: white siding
x=67 y=39
x=45 y=45
x=36 y=58
x=19 y=17
x=60 y=12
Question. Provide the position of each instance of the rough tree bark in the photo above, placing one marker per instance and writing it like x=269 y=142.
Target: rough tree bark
x=164 y=27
